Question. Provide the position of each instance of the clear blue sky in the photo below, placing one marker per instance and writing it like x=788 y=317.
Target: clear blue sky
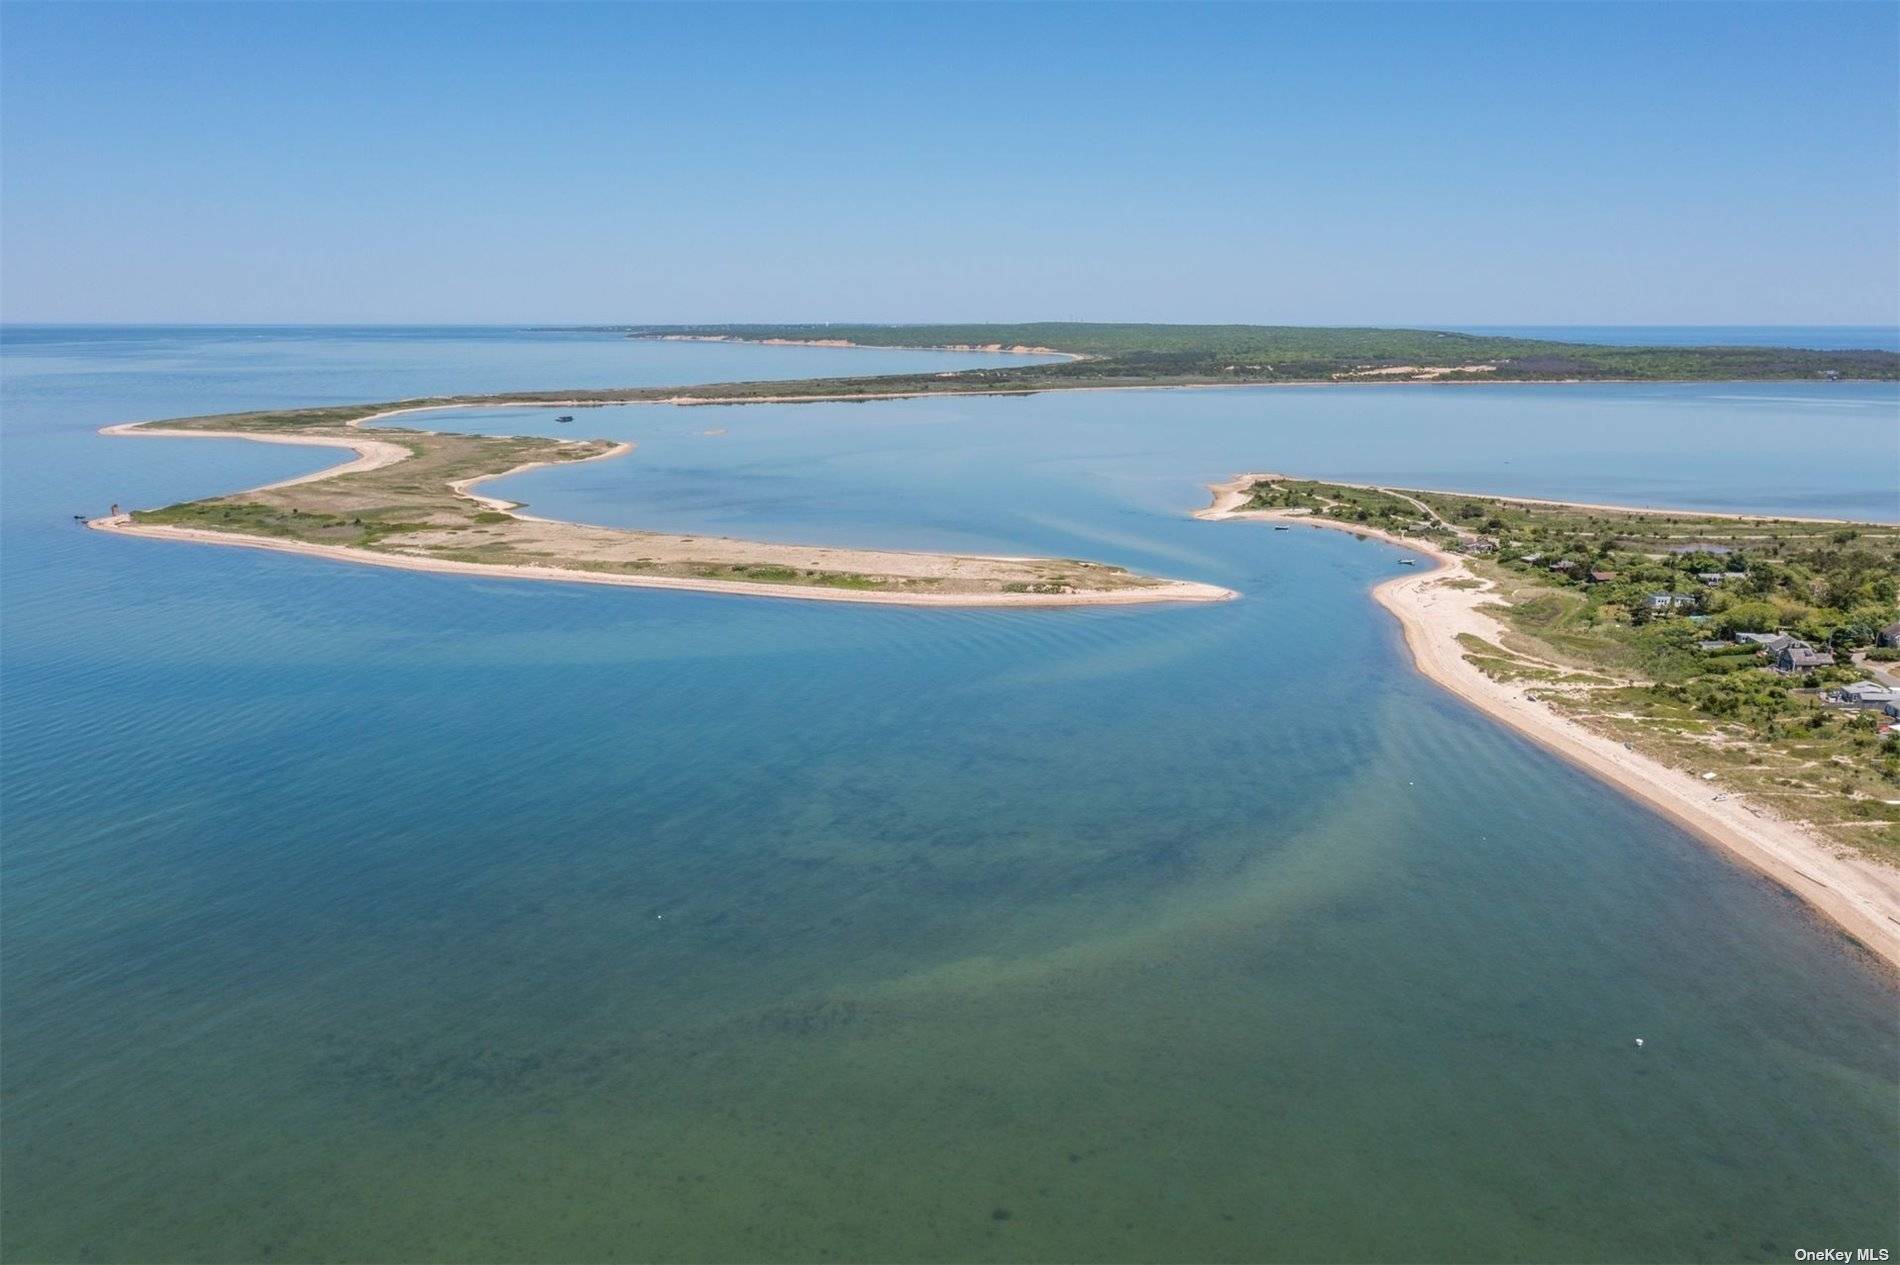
x=1530 y=163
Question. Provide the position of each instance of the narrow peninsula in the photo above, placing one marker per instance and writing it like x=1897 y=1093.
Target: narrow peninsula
x=1740 y=673
x=408 y=500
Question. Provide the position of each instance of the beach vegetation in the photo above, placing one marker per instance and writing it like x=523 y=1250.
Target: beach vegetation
x=418 y=507
x=1629 y=621
x=1137 y=354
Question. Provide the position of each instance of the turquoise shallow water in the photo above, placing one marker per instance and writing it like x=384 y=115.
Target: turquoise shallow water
x=351 y=914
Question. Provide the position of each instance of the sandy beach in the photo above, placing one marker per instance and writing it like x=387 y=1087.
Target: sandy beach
x=576 y=542
x=1434 y=608
x=1179 y=591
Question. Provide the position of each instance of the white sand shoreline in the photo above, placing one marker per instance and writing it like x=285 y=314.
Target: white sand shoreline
x=1180 y=591
x=1859 y=895
x=376 y=453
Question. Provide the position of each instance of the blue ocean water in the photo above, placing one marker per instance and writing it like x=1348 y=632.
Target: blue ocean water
x=354 y=914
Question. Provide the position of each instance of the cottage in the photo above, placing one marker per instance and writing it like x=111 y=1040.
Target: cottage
x=1601 y=576
x=1771 y=643
x=1718 y=577
x=1481 y=544
x=1889 y=637
x=1669 y=601
x=1871 y=694
x=1801 y=657
x=1563 y=566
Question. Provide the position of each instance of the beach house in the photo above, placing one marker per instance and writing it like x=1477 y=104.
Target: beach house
x=1801 y=657
x=1771 y=643
x=1871 y=694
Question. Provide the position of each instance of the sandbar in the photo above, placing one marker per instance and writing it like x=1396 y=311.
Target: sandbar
x=448 y=527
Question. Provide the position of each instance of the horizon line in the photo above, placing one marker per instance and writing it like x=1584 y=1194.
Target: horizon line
x=615 y=324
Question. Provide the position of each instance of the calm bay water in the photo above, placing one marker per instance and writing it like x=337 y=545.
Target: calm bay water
x=351 y=914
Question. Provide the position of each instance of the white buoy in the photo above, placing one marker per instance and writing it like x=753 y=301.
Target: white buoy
x=1639 y=1043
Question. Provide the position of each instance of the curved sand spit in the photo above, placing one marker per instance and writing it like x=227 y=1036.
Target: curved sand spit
x=373 y=454
x=1858 y=894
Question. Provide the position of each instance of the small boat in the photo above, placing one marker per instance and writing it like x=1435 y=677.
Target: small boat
x=565 y=418
x=1408 y=562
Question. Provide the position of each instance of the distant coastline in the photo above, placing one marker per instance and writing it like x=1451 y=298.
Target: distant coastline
x=1804 y=337
x=993 y=348
x=1146 y=354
